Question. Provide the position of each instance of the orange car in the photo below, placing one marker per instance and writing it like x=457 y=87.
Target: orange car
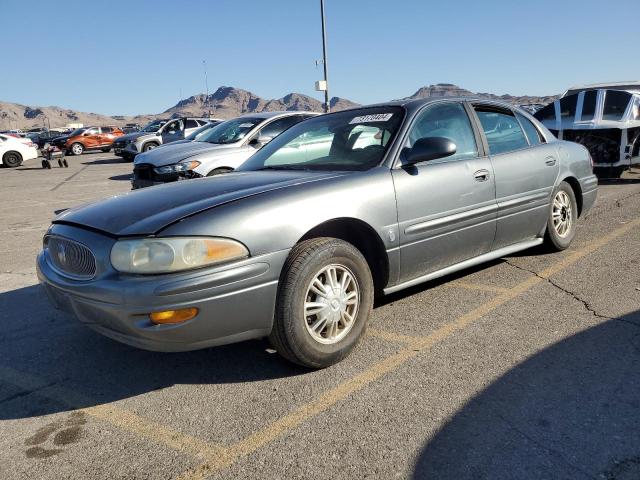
x=88 y=138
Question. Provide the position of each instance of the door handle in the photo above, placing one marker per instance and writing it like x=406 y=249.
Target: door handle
x=551 y=161
x=481 y=175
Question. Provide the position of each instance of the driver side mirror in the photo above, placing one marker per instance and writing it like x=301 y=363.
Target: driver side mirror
x=260 y=141
x=429 y=148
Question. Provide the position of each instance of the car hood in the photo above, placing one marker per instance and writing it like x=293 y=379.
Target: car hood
x=149 y=210
x=133 y=136
x=175 y=152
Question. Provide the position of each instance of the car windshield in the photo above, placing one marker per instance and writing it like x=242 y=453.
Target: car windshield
x=153 y=126
x=77 y=131
x=353 y=140
x=230 y=131
x=199 y=133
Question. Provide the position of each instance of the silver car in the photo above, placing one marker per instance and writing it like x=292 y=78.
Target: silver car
x=156 y=133
x=296 y=243
x=220 y=150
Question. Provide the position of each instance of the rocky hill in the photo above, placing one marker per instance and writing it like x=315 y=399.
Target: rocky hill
x=225 y=102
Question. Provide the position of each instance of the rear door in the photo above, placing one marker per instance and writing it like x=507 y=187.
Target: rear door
x=446 y=207
x=91 y=137
x=190 y=126
x=525 y=168
x=106 y=136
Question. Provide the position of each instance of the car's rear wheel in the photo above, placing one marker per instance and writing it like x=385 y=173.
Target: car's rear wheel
x=219 y=171
x=105 y=150
x=323 y=303
x=563 y=215
x=149 y=146
x=77 y=148
x=12 y=159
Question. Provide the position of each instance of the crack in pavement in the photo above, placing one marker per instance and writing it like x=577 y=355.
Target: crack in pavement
x=584 y=303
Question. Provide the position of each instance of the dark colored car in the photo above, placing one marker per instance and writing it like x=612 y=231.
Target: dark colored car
x=44 y=137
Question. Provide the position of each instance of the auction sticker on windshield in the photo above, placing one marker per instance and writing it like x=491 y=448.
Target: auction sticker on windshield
x=378 y=117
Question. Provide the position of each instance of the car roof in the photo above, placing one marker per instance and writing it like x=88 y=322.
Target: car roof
x=630 y=86
x=413 y=104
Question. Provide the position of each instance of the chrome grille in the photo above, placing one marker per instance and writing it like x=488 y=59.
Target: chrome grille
x=70 y=258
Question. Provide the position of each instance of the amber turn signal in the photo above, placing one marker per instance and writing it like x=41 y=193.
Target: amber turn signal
x=173 y=316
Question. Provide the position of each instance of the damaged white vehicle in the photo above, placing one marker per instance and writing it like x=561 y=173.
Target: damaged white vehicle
x=605 y=118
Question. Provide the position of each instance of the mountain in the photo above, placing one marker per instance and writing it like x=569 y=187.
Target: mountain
x=225 y=102
x=450 y=90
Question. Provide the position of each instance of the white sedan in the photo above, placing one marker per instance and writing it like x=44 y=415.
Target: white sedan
x=14 y=151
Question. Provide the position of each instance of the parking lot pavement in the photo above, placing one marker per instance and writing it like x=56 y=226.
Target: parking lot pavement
x=527 y=367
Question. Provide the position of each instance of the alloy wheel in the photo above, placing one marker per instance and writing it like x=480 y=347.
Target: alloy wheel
x=562 y=214
x=331 y=304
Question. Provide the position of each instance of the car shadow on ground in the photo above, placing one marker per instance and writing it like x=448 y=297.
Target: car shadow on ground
x=121 y=177
x=570 y=411
x=107 y=161
x=42 y=343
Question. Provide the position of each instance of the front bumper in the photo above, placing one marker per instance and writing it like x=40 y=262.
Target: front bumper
x=144 y=175
x=235 y=302
x=124 y=150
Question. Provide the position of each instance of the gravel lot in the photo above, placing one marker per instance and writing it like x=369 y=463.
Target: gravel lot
x=527 y=367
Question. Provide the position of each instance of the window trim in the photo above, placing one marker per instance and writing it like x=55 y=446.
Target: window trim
x=542 y=141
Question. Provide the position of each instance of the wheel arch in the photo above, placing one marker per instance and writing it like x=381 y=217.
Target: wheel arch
x=577 y=190
x=362 y=236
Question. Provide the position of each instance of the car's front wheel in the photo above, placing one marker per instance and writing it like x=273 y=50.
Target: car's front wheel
x=77 y=148
x=323 y=304
x=563 y=215
x=149 y=146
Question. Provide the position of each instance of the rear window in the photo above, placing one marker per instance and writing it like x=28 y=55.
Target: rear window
x=546 y=113
x=615 y=104
x=568 y=107
x=589 y=105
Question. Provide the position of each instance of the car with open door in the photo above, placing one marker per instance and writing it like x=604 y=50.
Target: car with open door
x=295 y=244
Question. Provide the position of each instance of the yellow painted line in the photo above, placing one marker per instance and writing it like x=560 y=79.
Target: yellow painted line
x=475 y=286
x=326 y=400
x=118 y=417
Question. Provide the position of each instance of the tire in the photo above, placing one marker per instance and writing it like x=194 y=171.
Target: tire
x=149 y=146
x=563 y=215
x=12 y=159
x=219 y=171
x=291 y=334
x=65 y=163
x=76 y=149
x=105 y=150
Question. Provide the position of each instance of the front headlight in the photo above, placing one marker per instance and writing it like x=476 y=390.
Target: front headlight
x=164 y=255
x=177 y=167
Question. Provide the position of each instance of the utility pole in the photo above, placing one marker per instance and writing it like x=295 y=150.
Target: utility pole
x=324 y=59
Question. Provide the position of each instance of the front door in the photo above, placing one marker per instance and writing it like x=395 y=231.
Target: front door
x=525 y=171
x=446 y=207
x=173 y=130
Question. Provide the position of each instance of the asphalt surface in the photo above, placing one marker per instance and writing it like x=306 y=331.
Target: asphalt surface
x=527 y=367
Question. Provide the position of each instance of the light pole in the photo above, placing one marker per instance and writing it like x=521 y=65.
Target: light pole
x=206 y=85
x=324 y=58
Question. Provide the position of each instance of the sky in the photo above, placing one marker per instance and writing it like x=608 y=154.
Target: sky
x=136 y=57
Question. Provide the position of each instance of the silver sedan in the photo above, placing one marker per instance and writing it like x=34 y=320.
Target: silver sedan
x=296 y=243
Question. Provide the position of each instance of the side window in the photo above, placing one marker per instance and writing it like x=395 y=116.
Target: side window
x=589 y=105
x=502 y=130
x=175 y=126
x=533 y=134
x=190 y=123
x=276 y=127
x=92 y=131
x=615 y=104
x=449 y=120
x=105 y=129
